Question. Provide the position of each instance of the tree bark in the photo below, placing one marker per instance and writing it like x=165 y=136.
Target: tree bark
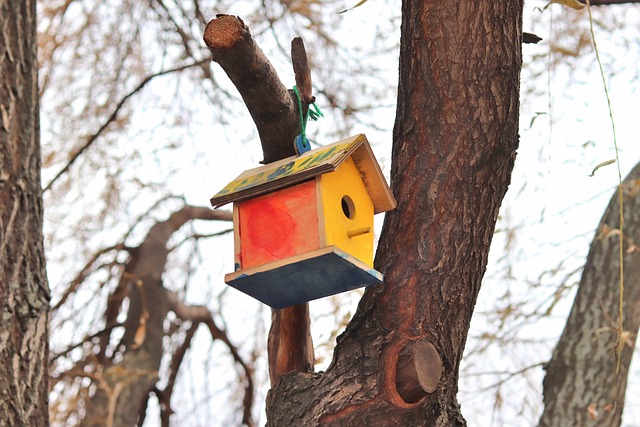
x=454 y=145
x=581 y=386
x=24 y=291
x=290 y=347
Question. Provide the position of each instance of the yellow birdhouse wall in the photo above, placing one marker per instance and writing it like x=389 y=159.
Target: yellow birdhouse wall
x=347 y=211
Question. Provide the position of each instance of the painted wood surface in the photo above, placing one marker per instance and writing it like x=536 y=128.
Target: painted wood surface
x=305 y=277
x=237 y=243
x=379 y=191
x=293 y=170
x=345 y=187
x=278 y=225
x=288 y=171
x=321 y=224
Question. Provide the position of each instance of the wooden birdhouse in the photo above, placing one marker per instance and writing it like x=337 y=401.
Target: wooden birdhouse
x=303 y=226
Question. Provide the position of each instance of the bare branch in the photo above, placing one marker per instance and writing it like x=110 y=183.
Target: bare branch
x=86 y=271
x=201 y=314
x=176 y=361
x=106 y=330
x=114 y=115
x=510 y=375
x=198 y=236
x=247 y=401
x=302 y=71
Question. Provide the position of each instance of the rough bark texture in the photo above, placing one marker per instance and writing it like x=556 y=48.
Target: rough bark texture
x=272 y=107
x=581 y=387
x=122 y=387
x=455 y=138
x=24 y=291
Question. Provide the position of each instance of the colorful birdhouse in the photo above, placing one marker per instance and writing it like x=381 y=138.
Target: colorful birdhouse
x=303 y=226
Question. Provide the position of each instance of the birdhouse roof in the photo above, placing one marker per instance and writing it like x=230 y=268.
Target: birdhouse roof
x=293 y=170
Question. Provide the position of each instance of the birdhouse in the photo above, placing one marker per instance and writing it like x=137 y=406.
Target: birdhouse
x=303 y=226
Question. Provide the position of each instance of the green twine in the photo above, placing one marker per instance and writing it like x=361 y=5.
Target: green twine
x=313 y=114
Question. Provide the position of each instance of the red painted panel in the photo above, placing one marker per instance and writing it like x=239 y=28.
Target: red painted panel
x=279 y=225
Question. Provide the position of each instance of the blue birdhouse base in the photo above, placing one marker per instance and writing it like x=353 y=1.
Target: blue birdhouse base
x=298 y=279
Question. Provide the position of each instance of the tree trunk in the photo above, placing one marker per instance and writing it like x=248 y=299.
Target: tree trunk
x=581 y=386
x=24 y=291
x=454 y=145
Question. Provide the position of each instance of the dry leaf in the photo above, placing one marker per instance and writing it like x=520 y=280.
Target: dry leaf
x=360 y=3
x=605 y=163
x=573 y=4
x=593 y=412
x=140 y=336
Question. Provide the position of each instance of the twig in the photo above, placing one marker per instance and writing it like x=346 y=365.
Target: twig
x=176 y=361
x=105 y=330
x=302 y=71
x=114 y=115
x=201 y=314
x=82 y=275
x=197 y=236
x=509 y=376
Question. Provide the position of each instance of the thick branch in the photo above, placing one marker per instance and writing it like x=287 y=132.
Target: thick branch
x=125 y=385
x=272 y=107
x=418 y=371
x=290 y=347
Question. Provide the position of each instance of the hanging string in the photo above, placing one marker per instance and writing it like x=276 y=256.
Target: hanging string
x=312 y=113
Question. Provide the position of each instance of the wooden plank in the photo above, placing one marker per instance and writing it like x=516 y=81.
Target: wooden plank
x=379 y=191
x=286 y=172
x=358 y=232
x=320 y=212
x=279 y=225
x=237 y=244
x=303 y=278
x=293 y=170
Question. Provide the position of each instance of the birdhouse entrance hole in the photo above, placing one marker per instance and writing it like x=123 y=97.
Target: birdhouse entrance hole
x=348 y=208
